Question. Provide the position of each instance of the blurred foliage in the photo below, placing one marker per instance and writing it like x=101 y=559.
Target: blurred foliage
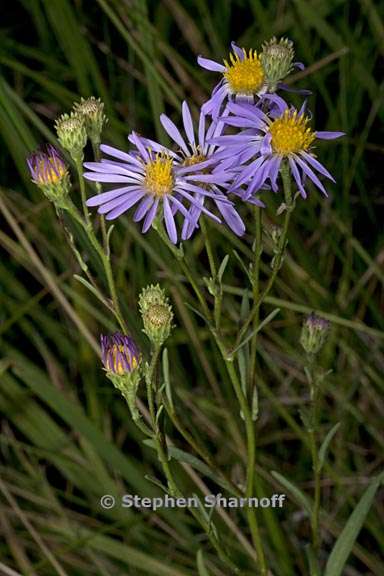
x=65 y=434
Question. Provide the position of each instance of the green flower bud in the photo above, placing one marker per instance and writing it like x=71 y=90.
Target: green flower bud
x=92 y=111
x=277 y=60
x=50 y=173
x=72 y=135
x=314 y=333
x=156 y=313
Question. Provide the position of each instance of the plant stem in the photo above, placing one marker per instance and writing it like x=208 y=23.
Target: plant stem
x=96 y=155
x=161 y=448
x=313 y=443
x=279 y=256
x=88 y=229
x=255 y=291
x=251 y=458
x=79 y=169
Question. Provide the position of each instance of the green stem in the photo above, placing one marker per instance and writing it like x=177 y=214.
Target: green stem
x=79 y=168
x=96 y=155
x=178 y=253
x=255 y=291
x=279 y=256
x=313 y=443
x=200 y=450
x=251 y=460
x=218 y=295
x=161 y=448
x=88 y=229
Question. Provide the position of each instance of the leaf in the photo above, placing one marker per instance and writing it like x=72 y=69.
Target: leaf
x=298 y=495
x=201 y=568
x=266 y=320
x=222 y=267
x=325 y=444
x=167 y=383
x=346 y=539
x=91 y=288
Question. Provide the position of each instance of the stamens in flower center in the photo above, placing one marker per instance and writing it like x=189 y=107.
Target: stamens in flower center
x=159 y=178
x=244 y=76
x=290 y=133
x=194 y=159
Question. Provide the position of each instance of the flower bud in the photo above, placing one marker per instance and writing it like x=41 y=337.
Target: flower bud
x=72 y=134
x=121 y=359
x=50 y=173
x=156 y=313
x=92 y=111
x=314 y=333
x=277 y=60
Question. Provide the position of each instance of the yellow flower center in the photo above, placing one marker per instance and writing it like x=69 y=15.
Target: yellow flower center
x=115 y=363
x=244 y=76
x=159 y=178
x=290 y=133
x=50 y=171
x=194 y=159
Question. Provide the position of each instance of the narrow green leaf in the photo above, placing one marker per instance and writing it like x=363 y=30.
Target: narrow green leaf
x=201 y=568
x=298 y=495
x=346 y=539
x=324 y=447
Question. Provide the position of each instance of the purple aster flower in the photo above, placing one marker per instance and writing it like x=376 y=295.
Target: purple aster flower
x=247 y=75
x=150 y=178
x=265 y=142
x=198 y=154
x=243 y=78
x=119 y=353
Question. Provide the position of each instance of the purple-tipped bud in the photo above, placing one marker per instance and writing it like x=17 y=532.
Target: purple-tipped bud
x=314 y=333
x=46 y=166
x=120 y=354
x=50 y=173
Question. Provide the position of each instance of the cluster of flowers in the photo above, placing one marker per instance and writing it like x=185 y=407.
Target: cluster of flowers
x=212 y=165
x=244 y=136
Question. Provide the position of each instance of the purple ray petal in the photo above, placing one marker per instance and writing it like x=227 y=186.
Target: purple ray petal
x=309 y=172
x=316 y=164
x=202 y=132
x=188 y=124
x=169 y=221
x=231 y=217
x=210 y=64
x=150 y=216
x=238 y=51
x=329 y=135
x=173 y=132
x=123 y=207
x=106 y=196
x=101 y=177
x=297 y=177
x=143 y=208
x=111 y=151
x=133 y=137
x=132 y=197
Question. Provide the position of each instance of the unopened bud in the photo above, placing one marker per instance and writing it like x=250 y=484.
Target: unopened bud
x=277 y=60
x=72 y=135
x=50 y=173
x=156 y=313
x=314 y=333
x=92 y=111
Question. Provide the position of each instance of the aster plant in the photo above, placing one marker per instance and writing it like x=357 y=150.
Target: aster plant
x=245 y=143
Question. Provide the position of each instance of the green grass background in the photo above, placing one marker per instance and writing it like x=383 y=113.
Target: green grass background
x=65 y=436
